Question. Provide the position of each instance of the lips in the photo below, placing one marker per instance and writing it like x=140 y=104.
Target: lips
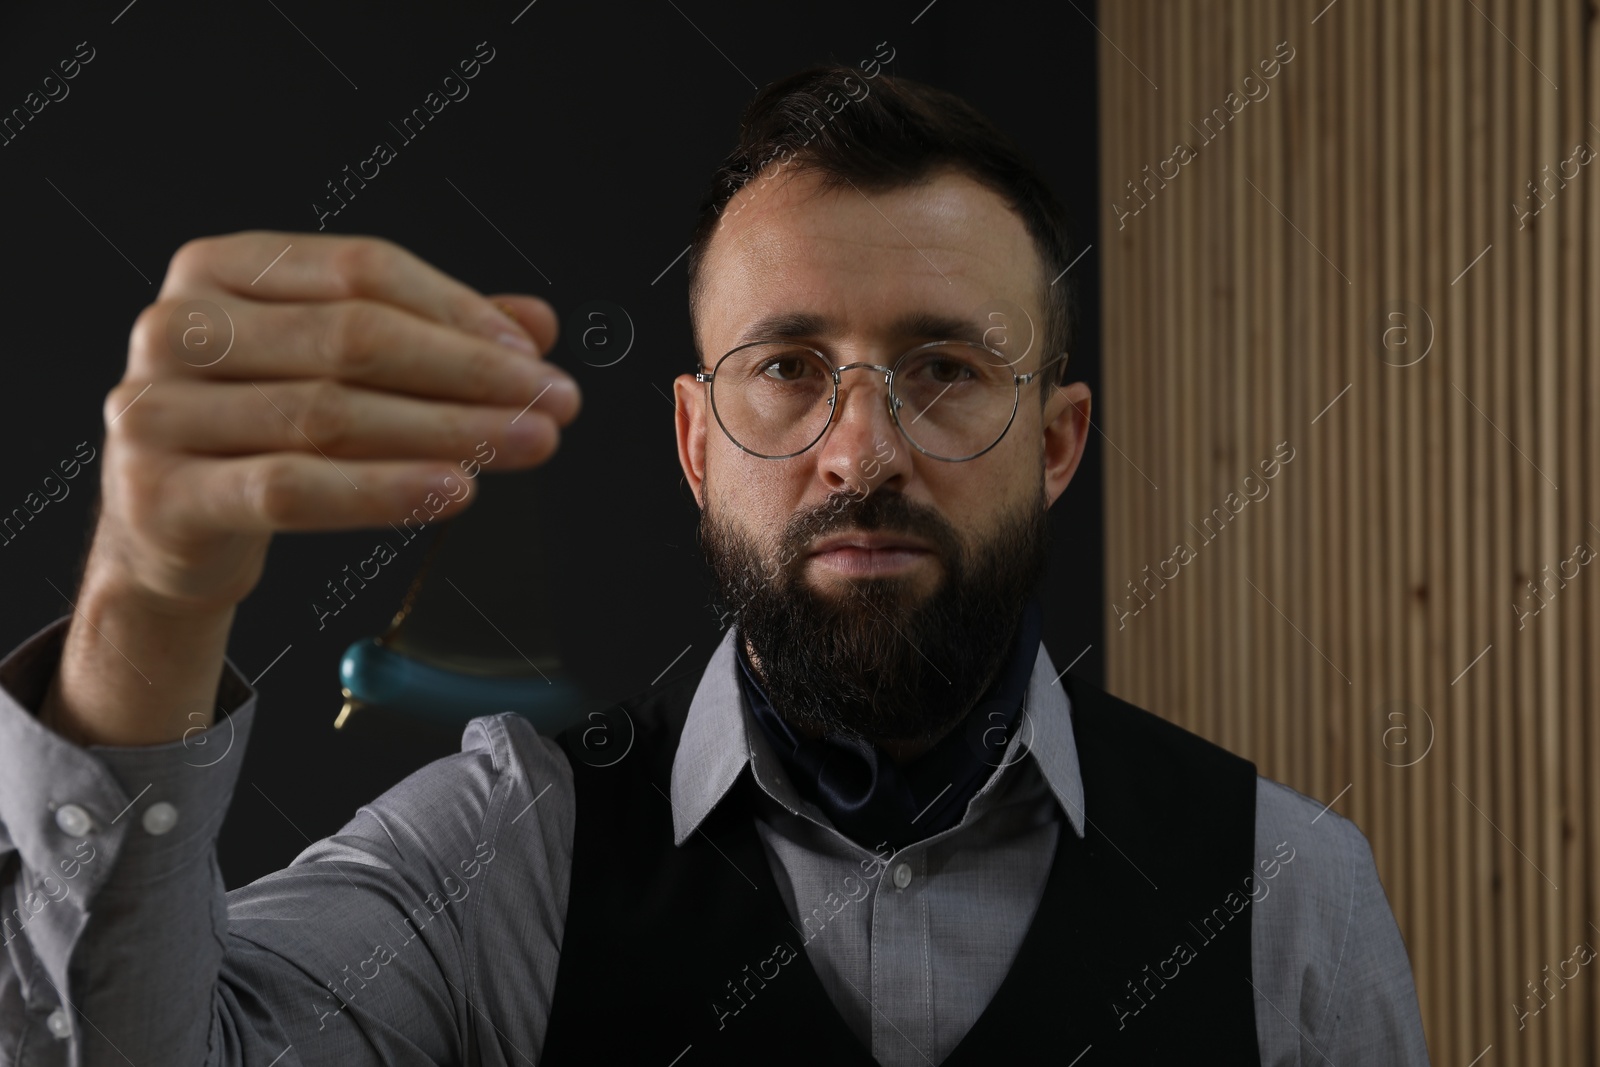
x=870 y=542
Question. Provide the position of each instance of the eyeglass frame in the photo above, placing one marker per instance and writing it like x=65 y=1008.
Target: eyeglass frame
x=1017 y=381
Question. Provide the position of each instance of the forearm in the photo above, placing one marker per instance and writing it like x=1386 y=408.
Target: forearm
x=134 y=671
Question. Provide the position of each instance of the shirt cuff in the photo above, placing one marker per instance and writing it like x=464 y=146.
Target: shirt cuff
x=74 y=812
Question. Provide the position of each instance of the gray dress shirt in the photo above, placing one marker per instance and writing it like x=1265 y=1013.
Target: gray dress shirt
x=429 y=928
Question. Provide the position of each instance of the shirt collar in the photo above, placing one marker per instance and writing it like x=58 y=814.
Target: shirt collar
x=716 y=741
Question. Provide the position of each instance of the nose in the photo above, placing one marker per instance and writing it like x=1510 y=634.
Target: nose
x=862 y=449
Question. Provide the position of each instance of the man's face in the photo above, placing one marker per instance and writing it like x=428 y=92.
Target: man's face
x=895 y=637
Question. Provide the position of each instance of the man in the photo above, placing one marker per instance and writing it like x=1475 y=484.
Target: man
x=875 y=828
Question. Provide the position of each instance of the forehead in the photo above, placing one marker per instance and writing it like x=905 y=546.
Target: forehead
x=865 y=265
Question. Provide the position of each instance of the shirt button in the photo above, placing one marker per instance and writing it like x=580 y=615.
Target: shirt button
x=58 y=1023
x=159 y=818
x=902 y=875
x=73 y=820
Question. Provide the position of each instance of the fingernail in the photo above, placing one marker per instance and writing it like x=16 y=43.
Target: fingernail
x=417 y=484
x=564 y=389
x=557 y=388
x=525 y=433
x=518 y=341
x=502 y=326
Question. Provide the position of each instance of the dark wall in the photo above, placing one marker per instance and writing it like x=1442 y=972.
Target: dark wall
x=571 y=171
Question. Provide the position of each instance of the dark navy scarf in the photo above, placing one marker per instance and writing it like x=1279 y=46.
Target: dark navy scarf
x=870 y=798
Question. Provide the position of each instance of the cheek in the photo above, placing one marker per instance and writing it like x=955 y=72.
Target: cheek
x=969 y=494
x=757 y=497
x=975 y=497
x=1019 y=458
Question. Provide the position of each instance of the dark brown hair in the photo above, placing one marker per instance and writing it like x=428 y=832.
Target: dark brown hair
x=887 y=132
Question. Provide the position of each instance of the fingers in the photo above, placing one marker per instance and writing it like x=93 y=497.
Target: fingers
x=324 y=417
x=296 y=491
x=535 y=315
x=293 y=381
x=268 y=265
x=357 y=341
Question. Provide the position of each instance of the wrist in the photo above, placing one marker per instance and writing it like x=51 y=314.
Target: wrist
x=137 y=668
x=162 y=590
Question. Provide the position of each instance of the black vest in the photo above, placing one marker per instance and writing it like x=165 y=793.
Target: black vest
x=1139 y=950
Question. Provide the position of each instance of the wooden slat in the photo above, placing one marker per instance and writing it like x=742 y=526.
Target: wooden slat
x=1503 y=781
x=1471 y=752
x=1587 y=382
x=1458 y=594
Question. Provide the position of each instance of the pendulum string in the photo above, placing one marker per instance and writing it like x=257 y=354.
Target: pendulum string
x=406 y=604
x=410 y=598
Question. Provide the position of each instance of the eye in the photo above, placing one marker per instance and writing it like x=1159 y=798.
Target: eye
x=946 y=370
x=787 y=368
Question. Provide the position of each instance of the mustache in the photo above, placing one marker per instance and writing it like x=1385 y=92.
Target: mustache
x=890 y=512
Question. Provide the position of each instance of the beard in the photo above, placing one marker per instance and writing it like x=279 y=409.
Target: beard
x=875 y=662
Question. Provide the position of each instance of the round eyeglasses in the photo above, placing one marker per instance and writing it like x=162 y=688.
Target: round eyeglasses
x=953 y=400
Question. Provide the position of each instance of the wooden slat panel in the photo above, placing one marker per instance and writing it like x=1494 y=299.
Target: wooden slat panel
x=1387 y=169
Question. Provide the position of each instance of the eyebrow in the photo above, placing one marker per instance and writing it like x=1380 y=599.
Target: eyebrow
x=806 y=325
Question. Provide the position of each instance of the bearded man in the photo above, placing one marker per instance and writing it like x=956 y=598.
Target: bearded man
x=878 y=825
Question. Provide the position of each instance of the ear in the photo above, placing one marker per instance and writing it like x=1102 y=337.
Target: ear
x=1066 y=429
x=691 y=422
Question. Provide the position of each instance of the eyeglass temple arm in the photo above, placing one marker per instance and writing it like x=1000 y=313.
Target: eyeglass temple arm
x=1024 y=379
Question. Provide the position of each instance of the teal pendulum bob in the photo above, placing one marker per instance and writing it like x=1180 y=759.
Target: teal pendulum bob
x=396 y=672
